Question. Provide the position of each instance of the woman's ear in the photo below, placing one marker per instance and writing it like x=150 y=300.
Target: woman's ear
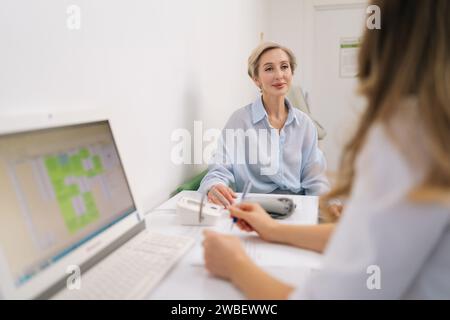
x=257 y=83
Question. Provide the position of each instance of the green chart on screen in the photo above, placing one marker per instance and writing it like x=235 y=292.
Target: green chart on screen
x=66 y=173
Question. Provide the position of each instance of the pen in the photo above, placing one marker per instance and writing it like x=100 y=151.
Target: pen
x=247 y=187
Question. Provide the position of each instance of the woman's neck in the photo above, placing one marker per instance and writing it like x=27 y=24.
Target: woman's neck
x=275 y=107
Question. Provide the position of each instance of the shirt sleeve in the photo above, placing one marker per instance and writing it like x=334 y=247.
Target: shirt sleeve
x=313 y=177
x=382 y=240
x=220 y=170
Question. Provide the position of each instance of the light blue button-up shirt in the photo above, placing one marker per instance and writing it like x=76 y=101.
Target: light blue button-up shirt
x=286 y=161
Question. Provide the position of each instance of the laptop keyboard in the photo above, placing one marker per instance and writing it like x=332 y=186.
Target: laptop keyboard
x=133 y=270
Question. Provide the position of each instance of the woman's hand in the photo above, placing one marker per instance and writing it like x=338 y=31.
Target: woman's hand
x=225 y=258
x=331 y=210
x=252 y=217
x=223 y=254
x=221 y=195
x=335 y=210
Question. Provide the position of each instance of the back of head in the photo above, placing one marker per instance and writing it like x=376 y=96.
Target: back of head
x=408 y=57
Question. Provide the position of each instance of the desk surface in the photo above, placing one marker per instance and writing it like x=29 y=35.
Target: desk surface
x=189 y=281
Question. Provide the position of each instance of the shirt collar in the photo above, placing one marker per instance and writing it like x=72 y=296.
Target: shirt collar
x=259 y=113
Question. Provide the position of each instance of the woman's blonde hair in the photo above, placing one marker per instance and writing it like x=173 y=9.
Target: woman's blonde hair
x=409 y=56
x=253 y=60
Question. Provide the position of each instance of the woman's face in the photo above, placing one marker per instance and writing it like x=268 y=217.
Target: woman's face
x=274 y=73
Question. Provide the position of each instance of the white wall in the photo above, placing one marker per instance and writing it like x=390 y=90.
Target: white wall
x=154 y=65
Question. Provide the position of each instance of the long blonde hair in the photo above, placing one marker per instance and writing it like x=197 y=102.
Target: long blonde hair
x=409 y=56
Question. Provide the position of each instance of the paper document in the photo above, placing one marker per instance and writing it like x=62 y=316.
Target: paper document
x=265 y=254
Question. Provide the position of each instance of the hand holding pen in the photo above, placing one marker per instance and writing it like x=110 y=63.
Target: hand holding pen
x=246 y=190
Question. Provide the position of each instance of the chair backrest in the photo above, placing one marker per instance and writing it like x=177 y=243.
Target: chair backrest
x=297 y=98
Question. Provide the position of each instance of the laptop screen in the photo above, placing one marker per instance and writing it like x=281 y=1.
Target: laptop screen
x=59 y=188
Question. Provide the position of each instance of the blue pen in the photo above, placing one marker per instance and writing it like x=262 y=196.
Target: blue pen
x=247 y=187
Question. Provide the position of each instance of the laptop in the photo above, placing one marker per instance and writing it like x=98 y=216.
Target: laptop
x=65 y=210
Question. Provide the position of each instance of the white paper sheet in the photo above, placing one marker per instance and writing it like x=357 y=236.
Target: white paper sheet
x=263 y=253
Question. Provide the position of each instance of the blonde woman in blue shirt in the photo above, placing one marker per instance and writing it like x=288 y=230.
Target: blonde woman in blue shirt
x=276 y=144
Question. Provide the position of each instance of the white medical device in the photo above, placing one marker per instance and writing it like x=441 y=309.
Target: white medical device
x=188 y=210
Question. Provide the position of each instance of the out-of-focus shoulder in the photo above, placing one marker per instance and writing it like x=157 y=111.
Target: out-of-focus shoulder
x=240 y=117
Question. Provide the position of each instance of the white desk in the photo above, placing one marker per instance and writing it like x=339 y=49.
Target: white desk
x=188 y=281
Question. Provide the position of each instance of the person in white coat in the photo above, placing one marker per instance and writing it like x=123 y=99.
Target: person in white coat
x=395 y=177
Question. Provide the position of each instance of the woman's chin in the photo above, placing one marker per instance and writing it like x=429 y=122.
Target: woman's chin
x=277 y=93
